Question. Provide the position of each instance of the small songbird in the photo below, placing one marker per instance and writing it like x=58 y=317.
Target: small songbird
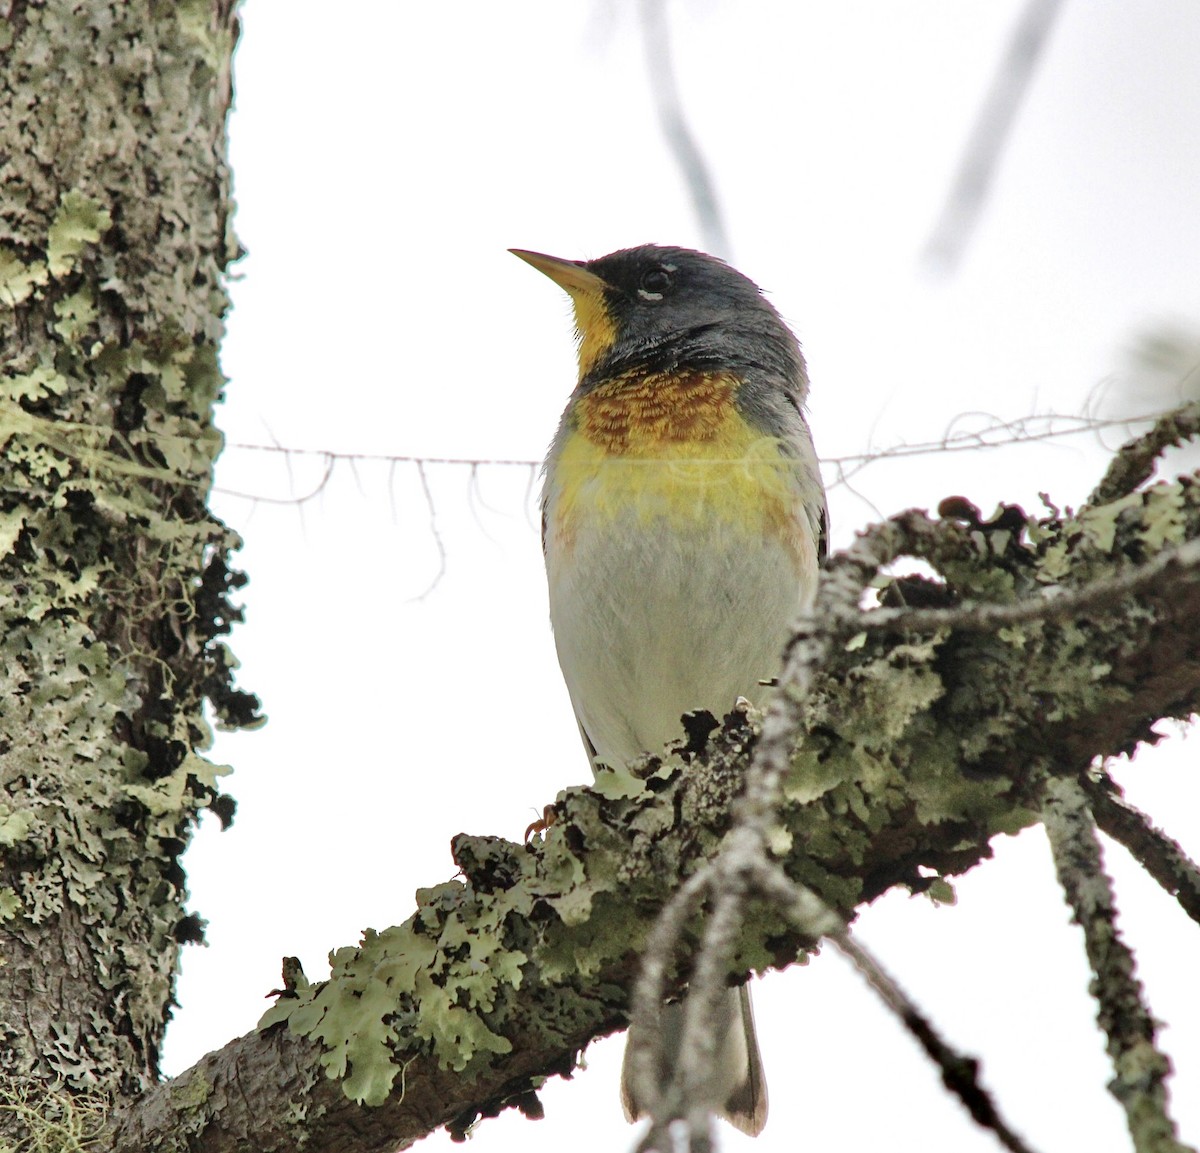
x=683 y=523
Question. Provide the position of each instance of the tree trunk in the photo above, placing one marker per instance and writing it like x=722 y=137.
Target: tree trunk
x=114 y=234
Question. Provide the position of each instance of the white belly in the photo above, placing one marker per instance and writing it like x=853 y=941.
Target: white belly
x=688 y=620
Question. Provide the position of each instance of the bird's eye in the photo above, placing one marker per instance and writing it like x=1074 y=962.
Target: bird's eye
x=656 y=283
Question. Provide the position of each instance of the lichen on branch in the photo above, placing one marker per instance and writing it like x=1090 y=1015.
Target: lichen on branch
x=1068 y=634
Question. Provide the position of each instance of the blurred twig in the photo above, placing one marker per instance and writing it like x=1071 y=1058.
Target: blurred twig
x=656 y=38
x=985 y=145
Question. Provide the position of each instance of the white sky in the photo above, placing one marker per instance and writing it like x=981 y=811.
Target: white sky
x=386 y=155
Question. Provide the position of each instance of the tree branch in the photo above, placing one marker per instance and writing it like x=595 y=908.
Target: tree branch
x=1135 y=462
x=1161 y=856
x=913 y=753
x=960 y=1073
x=1140 y=1067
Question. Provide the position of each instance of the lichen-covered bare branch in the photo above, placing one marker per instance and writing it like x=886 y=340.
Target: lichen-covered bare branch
x=1140 y=1067
x=1160 y=855
x=1134 y=463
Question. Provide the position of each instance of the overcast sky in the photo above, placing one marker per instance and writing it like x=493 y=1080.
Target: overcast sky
x=386 y=155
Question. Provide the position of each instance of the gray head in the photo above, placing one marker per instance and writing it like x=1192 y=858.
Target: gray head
x=659 y=309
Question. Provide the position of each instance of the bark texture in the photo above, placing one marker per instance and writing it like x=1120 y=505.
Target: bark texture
x=114 y=233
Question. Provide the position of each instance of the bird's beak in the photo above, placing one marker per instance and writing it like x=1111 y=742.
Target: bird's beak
x=595 y=328
x=571 y=275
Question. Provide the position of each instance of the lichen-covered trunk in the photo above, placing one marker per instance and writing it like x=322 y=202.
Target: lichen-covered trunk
x=114 y=235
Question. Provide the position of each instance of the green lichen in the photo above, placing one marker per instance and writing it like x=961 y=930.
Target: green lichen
x=79 y=221
x=51 y=1121
x=14 y=826
x=19 y=280
x=914 y=756
x=192 y=1094
x=115 y=583
x=10 y=904
x=77 y=314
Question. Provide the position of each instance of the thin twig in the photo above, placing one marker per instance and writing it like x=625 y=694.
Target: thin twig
x=745 y=850
x=296 y=501
x=1140 y=1067
x=976 y=616
x=743 y=866
x=386 y=457
x=960 y=1072
x=646 y=1011
x=1135 y=461
x=996 y=434
x=698 y=1049
x=1161 y=856
x=433 y=529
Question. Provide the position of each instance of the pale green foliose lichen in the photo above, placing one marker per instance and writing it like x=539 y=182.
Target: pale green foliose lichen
x=914 y=755
x=114 y=583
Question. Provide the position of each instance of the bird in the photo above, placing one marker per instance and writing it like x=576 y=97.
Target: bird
x=684 y=522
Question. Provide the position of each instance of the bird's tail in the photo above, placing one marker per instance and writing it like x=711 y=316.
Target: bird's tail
x=737 y=1089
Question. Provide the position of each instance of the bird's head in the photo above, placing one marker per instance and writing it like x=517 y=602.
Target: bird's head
x=659 y=309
